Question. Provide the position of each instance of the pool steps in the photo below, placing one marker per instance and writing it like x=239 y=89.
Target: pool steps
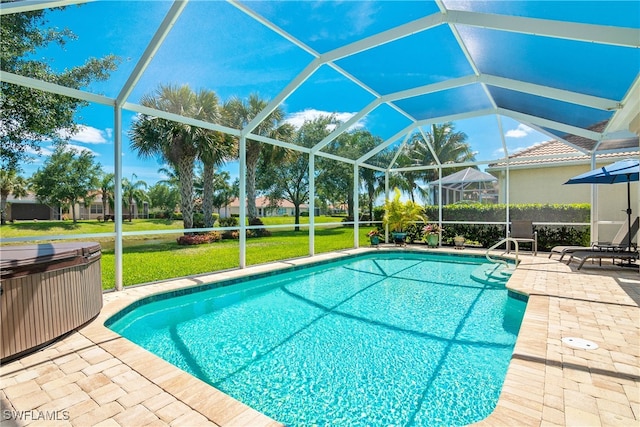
x=496 y=274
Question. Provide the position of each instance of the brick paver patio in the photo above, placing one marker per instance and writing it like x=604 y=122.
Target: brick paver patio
x=93 y=377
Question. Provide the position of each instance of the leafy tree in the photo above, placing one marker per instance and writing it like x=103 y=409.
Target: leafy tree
x=67 y=178
x=178 y=144
x=335 y=179
x=289 y=179
x=238 y=113
x=29 y=116
x=10 y=183
x=106 y=190
x=133 y=191
x=164 y=197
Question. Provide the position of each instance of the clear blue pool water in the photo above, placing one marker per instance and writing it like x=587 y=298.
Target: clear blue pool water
x=382 y=339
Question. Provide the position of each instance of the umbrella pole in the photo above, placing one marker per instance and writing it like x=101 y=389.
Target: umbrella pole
x=629 y=209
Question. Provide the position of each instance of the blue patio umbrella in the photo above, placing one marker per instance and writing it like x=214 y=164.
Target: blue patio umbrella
x=618 y=172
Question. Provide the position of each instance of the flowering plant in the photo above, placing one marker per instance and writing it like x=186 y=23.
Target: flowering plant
x=374 y=232
x=431 y=229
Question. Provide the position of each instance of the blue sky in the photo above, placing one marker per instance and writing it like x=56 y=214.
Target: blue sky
x=216 y=46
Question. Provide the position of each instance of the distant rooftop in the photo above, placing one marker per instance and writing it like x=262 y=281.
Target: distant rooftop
x=555 y=152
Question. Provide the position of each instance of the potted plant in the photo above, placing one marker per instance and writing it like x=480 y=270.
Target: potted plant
x=398 y=214
x=432 y=234
x=374 y=237
x=459 y=240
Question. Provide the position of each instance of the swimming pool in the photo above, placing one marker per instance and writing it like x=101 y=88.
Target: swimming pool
x=378 y=339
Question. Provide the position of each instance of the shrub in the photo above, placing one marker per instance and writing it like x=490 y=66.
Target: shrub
x=347 y=219
x=231 y=234
x=378 y=213
x=199 y=238
x=304 y=213
x=198 y=219
x=258 y=232
x=230 y=221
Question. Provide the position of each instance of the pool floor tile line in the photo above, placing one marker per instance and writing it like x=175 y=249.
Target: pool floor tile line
x=95 y=377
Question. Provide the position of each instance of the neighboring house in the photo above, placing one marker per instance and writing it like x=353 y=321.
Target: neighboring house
x=95 y=210
x=534 y=177
x=29 y=208
x=284 y=208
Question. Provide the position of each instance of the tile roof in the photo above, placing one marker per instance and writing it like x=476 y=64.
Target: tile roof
x=263 y=202
x=543 y=153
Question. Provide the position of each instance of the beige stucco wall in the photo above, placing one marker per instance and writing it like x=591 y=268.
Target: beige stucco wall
x=545 y=185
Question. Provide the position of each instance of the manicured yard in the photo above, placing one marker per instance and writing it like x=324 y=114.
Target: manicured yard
x=159 y=257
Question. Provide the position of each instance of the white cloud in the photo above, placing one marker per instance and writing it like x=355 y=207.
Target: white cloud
x=88 y=135
x=520 y=132
x=297 y=119
x=44 y=151
x=79 y=149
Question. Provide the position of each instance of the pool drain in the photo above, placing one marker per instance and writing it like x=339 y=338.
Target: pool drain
x=580 y=343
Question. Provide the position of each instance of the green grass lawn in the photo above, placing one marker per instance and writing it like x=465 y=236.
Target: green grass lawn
x=158 y=257
x=53 y=228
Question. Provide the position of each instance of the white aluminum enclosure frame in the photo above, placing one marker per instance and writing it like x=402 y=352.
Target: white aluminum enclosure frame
x=626 y=110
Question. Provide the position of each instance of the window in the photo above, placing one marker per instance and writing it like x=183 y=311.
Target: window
x=96 y=209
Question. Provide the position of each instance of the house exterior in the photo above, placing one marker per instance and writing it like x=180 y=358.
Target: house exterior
x=284 y=208
x=534 y=177
x=29 y=208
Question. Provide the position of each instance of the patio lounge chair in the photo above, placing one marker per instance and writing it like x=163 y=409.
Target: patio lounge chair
x=619 y=242
x=522 y=231
x=600 y=254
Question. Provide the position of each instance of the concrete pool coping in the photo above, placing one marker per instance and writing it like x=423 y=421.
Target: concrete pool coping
x=96 y=377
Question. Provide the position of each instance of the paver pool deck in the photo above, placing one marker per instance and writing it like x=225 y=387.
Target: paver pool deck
x=94 y=377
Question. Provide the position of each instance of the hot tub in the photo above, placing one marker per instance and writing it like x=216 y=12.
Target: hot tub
x=47 y=290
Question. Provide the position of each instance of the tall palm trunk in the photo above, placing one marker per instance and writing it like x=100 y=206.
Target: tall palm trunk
x=253 y=154
x=371 y=197
x=185 y=170
x=130 y=209
x=208 y=174
x=3 y=207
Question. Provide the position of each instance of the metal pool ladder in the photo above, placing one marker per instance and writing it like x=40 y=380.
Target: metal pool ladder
x=501 y=261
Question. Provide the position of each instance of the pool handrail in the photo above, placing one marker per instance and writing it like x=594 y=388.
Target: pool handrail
x=501 y=261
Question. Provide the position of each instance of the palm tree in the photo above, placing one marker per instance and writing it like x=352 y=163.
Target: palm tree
x=224 y=192
x=408 y=181
x=10 y=183
x=238 y=114
x=106 y=191
x=373 y=182
x=449 y=146
x=178 y=144
x=132 y=191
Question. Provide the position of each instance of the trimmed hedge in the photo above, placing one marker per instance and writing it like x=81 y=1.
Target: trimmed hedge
x=477 y=212
x=487 y=235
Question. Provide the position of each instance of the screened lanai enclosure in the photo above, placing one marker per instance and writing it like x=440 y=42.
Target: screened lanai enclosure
x=376 y=78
